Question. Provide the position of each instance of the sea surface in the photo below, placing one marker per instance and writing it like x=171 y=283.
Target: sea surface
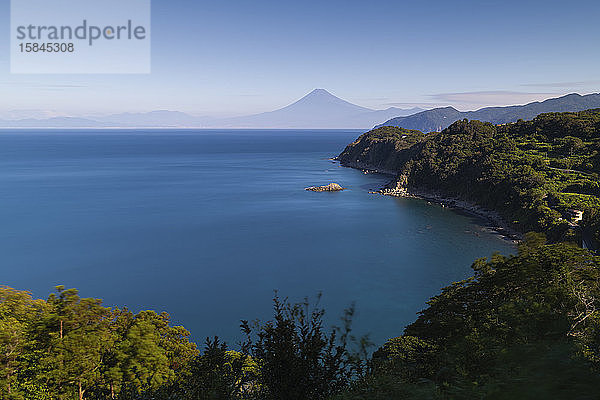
x=207 y=224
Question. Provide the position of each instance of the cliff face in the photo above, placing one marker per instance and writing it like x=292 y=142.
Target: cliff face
x=386 y=149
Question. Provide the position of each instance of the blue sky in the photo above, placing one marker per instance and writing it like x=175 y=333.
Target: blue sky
x=239 y=57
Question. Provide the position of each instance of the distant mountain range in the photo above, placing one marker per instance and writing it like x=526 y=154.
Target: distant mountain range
x=440 y=118
x=153 y=119
x=318 y=109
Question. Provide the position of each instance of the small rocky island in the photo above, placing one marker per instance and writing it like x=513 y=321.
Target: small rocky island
x=332 y=187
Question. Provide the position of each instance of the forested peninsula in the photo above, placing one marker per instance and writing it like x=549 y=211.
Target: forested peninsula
x=525 y=326
x=540 y=175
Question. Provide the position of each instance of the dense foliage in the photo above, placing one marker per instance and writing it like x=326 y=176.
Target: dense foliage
x=385 y=149
x=71 y=347
x=522 y=327
x=532 y=172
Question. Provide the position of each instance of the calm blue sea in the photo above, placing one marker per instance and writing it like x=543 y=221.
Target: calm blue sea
x=207 y=224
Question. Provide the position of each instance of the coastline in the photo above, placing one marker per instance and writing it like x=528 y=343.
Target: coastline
x=395 y=189
x=366 y=168
x=495 y=221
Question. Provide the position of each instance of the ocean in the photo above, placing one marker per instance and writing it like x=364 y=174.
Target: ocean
x=206 y=225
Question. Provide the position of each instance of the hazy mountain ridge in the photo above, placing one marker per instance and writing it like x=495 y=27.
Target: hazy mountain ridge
x=441 y=118
x=54 y=122
x=317 y=110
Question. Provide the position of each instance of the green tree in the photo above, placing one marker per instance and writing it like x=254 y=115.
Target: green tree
x=298 y=359
x=17 y=312
x=78 y=336
x=570 y=144
x=152 y=354
x=220 y=374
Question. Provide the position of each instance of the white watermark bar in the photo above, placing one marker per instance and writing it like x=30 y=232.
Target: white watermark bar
x=80 y=37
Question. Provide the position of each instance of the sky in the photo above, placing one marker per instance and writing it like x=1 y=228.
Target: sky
x=227 y=58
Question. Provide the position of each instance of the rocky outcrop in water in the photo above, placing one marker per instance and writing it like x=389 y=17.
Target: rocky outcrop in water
x=332 y=187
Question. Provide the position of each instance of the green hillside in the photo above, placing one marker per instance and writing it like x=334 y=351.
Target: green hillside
x=533 y=173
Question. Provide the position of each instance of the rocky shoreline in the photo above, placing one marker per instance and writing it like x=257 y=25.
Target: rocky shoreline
x=396 y=189
x=366 y=168
x=496 y=222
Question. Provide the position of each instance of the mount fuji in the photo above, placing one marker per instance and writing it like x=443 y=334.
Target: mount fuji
x=318 y=109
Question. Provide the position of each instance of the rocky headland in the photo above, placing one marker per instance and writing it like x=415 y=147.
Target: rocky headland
x=390 y=151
